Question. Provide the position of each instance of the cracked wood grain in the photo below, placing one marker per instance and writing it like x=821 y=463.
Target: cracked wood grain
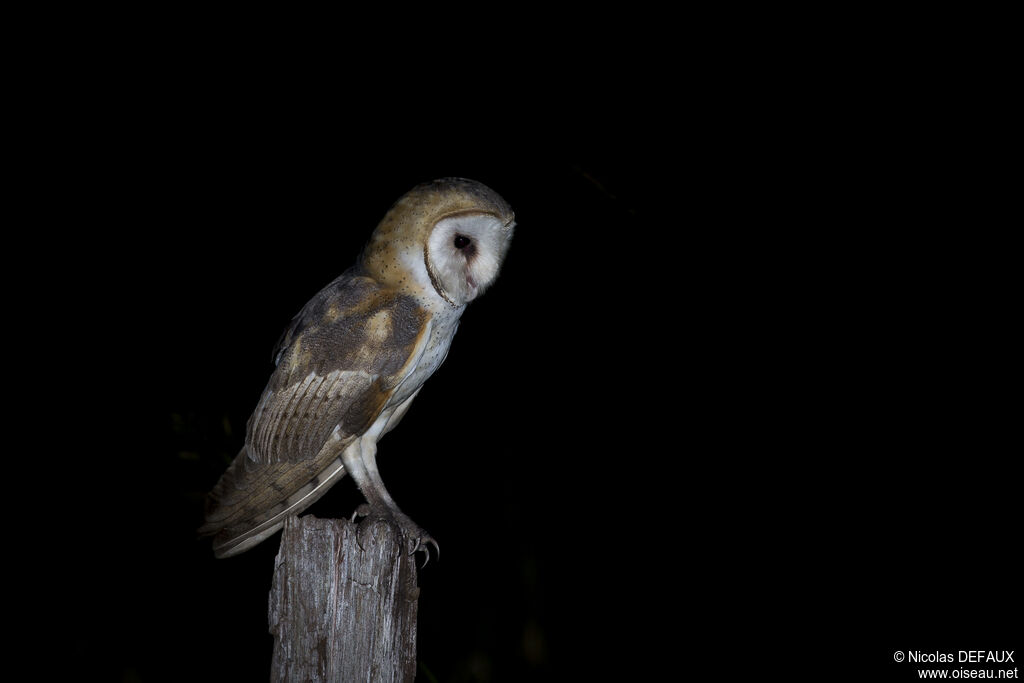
x=341 y=612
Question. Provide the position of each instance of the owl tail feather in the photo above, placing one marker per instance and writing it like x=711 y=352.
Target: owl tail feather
x=251 y=502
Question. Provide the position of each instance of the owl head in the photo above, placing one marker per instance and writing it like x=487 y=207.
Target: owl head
x=445 y=238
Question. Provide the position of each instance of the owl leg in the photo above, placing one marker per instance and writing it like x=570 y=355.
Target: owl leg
x=360 y=460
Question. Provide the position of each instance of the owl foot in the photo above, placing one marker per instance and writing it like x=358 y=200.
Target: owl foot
x=411 y=532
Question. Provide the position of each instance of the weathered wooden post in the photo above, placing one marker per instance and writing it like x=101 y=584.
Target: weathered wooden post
x=341 y=612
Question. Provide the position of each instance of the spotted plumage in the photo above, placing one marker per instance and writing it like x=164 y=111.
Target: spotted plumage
x=355 y=357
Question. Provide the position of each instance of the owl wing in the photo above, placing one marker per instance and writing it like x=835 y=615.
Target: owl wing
x=339 y=365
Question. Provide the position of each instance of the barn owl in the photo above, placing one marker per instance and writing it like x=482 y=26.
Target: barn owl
x=355 y=357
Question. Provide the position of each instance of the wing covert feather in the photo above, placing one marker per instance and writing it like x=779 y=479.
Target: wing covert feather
x=341 y=359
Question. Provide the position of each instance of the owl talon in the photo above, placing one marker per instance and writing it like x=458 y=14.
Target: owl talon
x=419 y=539
x=421 y=544
x=361 y=511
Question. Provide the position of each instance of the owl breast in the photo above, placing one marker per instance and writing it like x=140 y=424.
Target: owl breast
x=443 y=325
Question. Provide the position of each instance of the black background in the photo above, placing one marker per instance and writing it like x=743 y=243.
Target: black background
x=738 y=393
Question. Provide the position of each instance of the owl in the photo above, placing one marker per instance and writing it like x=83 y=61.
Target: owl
x=352 y=361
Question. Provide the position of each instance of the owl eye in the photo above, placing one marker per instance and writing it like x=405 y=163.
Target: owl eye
x=461 y=241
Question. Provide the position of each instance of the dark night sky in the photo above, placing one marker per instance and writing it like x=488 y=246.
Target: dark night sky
x=710 y=392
